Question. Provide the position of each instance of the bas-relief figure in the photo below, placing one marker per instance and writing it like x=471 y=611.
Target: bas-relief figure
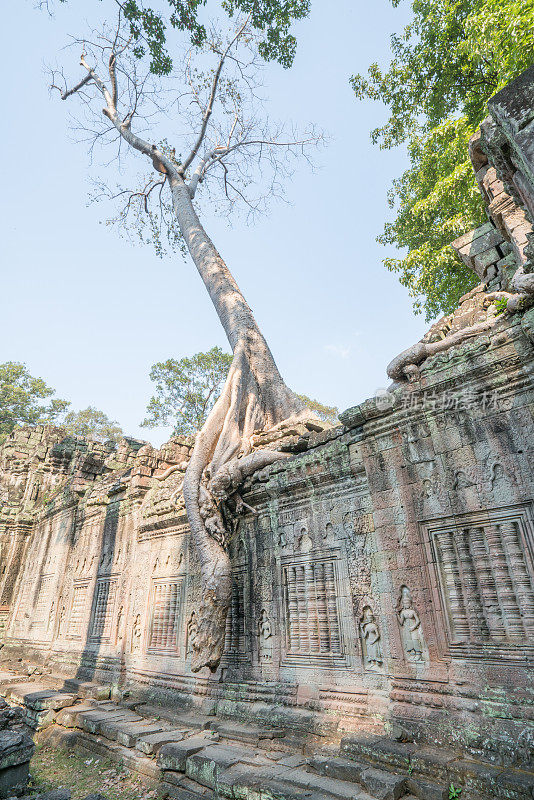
x=265 y=637
x=370 y=636
x=192 y=632
x=411 y=628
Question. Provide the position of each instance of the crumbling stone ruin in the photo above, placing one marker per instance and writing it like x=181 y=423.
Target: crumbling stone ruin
x=380 y=637
x=16 y=749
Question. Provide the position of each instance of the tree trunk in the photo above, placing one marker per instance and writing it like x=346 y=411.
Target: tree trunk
x=254 y=398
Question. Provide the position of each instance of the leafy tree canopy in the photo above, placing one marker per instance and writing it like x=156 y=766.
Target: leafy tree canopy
x=23 y=399
x=186 y=390
x=326 y=413
x=148 y=26
x=90 y=423
x=451 y=58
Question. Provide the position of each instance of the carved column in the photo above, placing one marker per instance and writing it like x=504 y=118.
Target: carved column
x=475 y=614
x=313 y=620
x=486 y=583
x=300 y=577
x=331 y=604
x=449 y=565
x=322 y=613
x=519 y=573
x=503 y=583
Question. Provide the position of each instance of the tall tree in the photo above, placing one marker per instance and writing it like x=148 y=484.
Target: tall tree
x=92 y=424
x=228 y=140
x=186 y=390
x=451 y=58
x=22 y=399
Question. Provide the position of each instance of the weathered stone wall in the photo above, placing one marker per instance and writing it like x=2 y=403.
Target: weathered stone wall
x=385 y=582
x=386 y=577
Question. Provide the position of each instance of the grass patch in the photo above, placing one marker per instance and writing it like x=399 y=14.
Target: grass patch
x=53 y=768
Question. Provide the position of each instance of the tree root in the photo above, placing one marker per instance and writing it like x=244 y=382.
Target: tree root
x=405 y=366
x=252 y=400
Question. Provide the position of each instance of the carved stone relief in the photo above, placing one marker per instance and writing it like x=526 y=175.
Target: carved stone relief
x=265 y=637
x=485 y=577
x=311 y=610
x=78 y=609
x=411 y=628
x=370 y=640
x=137 y=632
x=103 y=610
x=192 y=632
x=165 y=616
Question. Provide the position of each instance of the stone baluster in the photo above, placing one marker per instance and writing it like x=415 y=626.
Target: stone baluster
x=453 y=587
x=486 y=583
x=503 y=583
x=322 y=612
x=519 y=573
x=475 y=614
x=300 y=577
x=313 y=620
x=292 y=602
x=331 y=605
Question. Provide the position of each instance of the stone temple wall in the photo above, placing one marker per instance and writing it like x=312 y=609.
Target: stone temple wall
x=386 y=581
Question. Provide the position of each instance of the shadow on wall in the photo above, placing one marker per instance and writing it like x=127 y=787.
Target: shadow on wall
x=99 y=630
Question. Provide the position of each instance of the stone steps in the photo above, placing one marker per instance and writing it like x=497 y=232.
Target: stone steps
x=429 y=767
x=191 y=755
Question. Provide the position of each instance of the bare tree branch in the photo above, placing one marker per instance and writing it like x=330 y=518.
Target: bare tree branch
x=209 y=108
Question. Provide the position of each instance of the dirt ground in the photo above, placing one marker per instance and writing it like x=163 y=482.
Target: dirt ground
x=52 y=768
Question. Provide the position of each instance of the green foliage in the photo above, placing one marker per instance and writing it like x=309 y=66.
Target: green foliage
x=92 y=424
x=500 y=305
x=454 y=793
x=326 y=413
x=436 y=200
x=186 y=390
x=21 y=399
x=148 y=27
x=452 y=57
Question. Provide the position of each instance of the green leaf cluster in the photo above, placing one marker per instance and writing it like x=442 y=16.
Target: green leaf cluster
x=90 y=423
x=186 y=390
x=23 y=399
x=148 y=27
x=326 y=413
x=452 y=57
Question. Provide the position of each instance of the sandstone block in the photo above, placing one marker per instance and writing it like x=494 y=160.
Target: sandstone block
x=425 y=790
x=92 y=720
x=13 y=780
x=174 y=755
x=205 y=765
x=15 y=748
x=382 y=785
x=128 y=733
x=245 y=733
x=67 y=716
x=55 y=701
x=433 y=762
x=151 y=743
x=342 y=769
x=483 y=260
x=516 y=784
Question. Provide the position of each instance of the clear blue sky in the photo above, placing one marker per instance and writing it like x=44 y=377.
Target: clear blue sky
x=90 y=313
